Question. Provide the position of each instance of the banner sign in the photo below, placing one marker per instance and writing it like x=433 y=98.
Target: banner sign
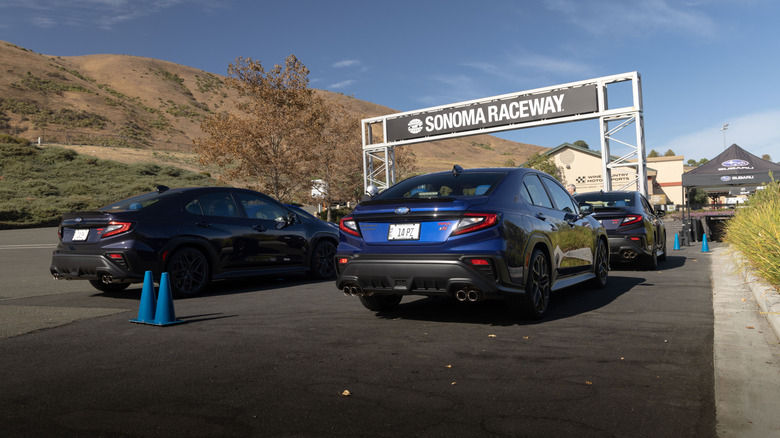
x=494 y=113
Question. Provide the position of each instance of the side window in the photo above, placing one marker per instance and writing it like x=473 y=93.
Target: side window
x=194 y=207
x=258 y=207
x=218 y=204
x=561 y=197
x=524 y=194
x=536 y=191
x=646 y=206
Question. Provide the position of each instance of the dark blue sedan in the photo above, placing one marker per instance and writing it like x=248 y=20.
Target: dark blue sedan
x=473 y=234
x=196 y=234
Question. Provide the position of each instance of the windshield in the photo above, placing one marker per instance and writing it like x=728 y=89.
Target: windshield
x=136 y=202
x=443 y=185
x=601 y=201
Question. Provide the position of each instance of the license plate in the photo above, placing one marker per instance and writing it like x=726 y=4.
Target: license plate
x=79 y=235
x=404 y=232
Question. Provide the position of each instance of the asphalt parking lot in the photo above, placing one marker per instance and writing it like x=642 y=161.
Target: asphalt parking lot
x=292 y=357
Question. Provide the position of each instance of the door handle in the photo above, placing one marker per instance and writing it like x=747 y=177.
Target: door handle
x=203 y=224
x=259 y=228
x=541 y=216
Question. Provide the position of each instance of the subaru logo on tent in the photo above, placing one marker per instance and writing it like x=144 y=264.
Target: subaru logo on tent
x=402 y=210
x=725 y=178
x=735 y=163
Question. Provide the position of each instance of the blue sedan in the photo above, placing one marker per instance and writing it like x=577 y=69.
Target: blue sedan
x=471 y=234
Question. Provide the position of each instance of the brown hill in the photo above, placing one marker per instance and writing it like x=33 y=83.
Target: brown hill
x=144 y=103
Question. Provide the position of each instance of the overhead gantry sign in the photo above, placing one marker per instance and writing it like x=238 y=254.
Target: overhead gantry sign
x=544 y=106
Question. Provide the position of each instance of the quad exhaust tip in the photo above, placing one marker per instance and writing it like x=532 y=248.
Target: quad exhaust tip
x=355 y=290
x=468 y=294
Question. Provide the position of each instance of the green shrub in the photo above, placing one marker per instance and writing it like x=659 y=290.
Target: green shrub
x=755 y=232
x=73 y=188
x=9 y=139
x=38 y=185
x=54 y=155
x=146 y=168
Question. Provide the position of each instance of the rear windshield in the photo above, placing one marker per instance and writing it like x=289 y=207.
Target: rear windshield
x=607 y=200
x=136 y=202
x=443 y=185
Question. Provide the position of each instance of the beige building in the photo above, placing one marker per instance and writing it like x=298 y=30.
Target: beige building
x=582 y=167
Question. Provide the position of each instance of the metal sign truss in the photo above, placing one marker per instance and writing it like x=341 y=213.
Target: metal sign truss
x=543 y=106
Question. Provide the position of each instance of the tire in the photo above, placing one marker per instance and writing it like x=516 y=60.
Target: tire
x=600 y=266
x=652 y=261
x=110 y=287
x=534 y=302
x=662 y=257
x=188 y=272
x=323 y=260
x=379 y=303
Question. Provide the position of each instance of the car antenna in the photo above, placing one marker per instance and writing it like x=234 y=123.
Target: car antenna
x=456 y=170
x=161 y=189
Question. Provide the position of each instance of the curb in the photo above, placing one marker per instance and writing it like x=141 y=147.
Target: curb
x=767 y=297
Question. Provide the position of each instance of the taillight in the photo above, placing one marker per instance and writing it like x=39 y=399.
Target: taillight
x=348 y=225
x=475 y=221
x=631 y=219
x=114 y=228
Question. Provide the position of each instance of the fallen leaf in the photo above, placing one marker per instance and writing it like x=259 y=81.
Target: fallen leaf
x=492 y=336
x=588 y=382
x=454 y=383
x=621 y=358
x=526 y=337
x=346 y=393
x=749 y=327
x=449 y=366
x=743 y=299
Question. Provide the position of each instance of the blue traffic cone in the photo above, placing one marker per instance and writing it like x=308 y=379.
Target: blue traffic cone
x=146 y=310
x=676 y=241
x=165 y=315
x=704 y=246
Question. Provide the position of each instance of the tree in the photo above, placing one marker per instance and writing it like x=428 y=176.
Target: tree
x=669 y=153
x=264 y=144
x=703 y=161
x=766 y=157
x=581 y=143
x=691 y=162
x=653 y=154
x=336 y=153
x=337 y=150
x=545 y=163
x=697 y=196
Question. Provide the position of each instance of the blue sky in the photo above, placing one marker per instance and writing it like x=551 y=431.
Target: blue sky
x=703 y=63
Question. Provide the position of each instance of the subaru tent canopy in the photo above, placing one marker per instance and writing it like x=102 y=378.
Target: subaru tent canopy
x=734 y=167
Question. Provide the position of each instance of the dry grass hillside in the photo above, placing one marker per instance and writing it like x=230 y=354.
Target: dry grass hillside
x=106 y=103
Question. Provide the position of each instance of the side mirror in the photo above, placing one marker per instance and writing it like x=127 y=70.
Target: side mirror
x=586 y=208
x=660 y=213
x=283 y=221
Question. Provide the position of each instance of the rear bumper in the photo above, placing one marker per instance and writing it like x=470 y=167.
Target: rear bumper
x=624 y=249
x=413 y=274
x=89 y=267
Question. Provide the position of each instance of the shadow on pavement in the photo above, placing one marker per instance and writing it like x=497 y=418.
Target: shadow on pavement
x=563 y=304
